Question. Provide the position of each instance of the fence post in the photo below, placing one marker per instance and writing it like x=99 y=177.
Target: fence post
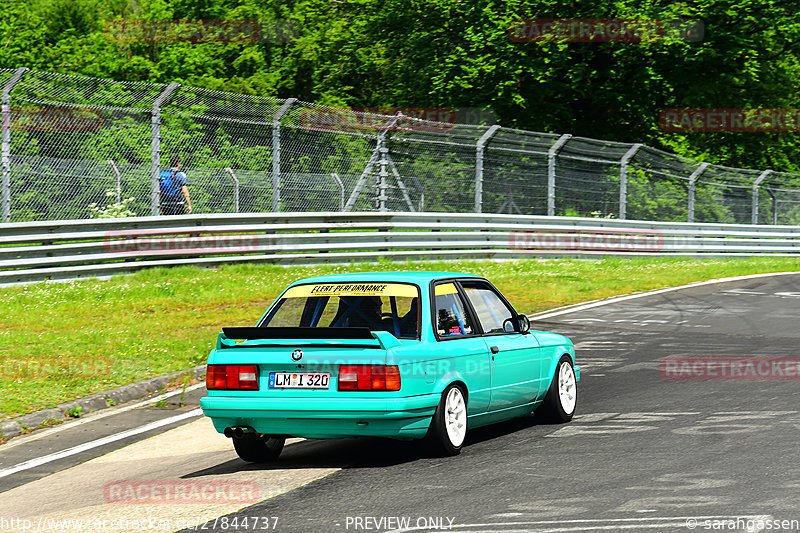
x=756 y=185
x=155 y=146
x=5 y=151
x=117 y=181
x=374 y=158
x=382 y=174
x=384 y=162
x=551 y=173
x=692 y=181
x=276 y=153
x=774 y=205
x=485 y=138
x=339 y=182
x=623 y=179
x=235 y=180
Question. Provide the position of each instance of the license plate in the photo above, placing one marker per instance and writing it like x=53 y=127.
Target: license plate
x=299 y=380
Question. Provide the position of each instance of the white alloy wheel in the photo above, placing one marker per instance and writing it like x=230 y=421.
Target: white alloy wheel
x=455 y=416
x=566 y=387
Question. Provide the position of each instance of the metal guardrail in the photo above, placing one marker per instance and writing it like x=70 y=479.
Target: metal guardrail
x=36 y=251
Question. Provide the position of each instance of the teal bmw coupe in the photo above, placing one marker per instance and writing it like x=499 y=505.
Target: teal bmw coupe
x=405 y=355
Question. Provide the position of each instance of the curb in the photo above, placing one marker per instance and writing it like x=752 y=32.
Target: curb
x=95 y=402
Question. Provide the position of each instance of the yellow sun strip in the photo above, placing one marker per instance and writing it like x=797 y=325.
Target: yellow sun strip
x=445 y=288
x=352 y=289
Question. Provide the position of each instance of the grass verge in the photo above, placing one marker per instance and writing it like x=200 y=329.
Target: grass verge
x=61 y=341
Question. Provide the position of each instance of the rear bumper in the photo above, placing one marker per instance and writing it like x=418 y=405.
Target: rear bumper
x=405 y=418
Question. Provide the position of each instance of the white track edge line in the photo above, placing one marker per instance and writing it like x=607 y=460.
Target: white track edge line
x=99 y=442
x=615 y=299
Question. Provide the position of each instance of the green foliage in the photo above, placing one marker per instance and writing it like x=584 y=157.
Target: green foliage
x=119 y=209
x=426 y=53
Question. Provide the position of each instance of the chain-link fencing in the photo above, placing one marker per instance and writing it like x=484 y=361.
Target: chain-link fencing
x=77 y=147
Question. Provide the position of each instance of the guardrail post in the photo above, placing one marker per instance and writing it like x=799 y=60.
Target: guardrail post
x=276 y=153
x=551 y=173
x=235 y=181
x=756 y=185
x=339 y=182
x=117 y=181
x=5 y=151
x=623 y=179
x=481 y=144
x=155 y=146
x=692 y=181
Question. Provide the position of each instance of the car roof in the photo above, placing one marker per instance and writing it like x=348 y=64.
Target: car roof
x=416 y=277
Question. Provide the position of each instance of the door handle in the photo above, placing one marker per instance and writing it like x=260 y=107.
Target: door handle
x=494 y=349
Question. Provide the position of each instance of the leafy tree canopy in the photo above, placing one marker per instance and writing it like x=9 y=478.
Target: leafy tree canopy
x=458 y=53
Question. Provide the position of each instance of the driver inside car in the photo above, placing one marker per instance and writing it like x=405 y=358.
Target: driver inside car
x=368 y=314
x=358 y=312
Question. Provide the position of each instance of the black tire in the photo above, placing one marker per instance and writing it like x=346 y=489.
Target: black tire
x=555 y=408
x=440 y=440
x=263 y=449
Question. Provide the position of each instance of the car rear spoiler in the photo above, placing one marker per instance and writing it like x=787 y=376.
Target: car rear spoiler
x=297 y=336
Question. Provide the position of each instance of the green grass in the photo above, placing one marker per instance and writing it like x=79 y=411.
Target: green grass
x=61 y=341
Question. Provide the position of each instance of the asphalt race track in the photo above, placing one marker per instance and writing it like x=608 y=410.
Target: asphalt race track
x=650 y=449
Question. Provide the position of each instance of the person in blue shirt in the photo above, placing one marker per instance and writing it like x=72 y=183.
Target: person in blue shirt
x=174 y=190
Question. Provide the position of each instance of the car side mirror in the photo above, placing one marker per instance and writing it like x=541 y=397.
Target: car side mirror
x=519 y=323
x=523 y=324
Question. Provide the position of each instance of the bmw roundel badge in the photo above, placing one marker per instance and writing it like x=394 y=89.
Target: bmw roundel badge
x=297 y=355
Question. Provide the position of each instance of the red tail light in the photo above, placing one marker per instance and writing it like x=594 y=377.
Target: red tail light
x=232 y=377
x=369 y=377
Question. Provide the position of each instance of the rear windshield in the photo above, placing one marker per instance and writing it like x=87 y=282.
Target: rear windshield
x=392 y=307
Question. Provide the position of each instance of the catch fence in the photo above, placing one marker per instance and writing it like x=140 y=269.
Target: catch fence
x=77 y=147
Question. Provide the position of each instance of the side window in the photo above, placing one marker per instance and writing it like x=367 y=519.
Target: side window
x=451 y=318
x=491 y=310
